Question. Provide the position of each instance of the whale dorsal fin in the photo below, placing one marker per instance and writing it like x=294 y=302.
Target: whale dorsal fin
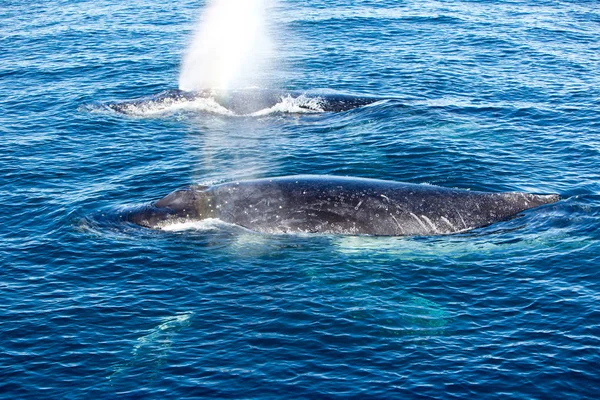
x=181 y=198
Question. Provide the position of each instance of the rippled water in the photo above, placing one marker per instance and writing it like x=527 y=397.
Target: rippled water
x=493 y=96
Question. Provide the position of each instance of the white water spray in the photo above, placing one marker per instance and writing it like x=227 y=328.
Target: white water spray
x=231 y=47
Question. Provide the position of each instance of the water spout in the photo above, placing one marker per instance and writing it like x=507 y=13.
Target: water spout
x=231 y=47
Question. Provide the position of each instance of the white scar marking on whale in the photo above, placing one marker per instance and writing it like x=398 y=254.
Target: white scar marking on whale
x=420 y=222
x=461 y=218
x=435 y=229
x=397 y=223
x=358 y=205
x=449 y=223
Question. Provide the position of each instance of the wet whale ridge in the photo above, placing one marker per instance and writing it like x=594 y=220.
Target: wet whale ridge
x=338 y=205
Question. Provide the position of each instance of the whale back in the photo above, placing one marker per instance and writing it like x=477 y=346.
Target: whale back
x=245 y=101
x=362 y=206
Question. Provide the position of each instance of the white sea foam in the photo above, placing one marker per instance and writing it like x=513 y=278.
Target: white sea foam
x=209 y=224
x=289 y=104
x=173 y=105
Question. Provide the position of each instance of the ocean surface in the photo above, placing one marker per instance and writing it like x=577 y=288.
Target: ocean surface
x=480 y=94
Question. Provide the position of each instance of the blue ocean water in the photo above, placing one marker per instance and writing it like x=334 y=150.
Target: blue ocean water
x=483 y=95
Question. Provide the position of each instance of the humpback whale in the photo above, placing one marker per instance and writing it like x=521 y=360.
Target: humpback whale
x=337 y=205
x=247 y=101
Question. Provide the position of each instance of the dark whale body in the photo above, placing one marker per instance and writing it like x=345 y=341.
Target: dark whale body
x=338 y=205
x=249 y=101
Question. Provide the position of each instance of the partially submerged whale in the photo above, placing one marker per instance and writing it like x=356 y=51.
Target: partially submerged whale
x=337 y=205
x=246 y=101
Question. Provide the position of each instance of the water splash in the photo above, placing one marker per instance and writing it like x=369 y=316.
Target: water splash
x=294 y=105
x=206 y=225
x=231 y=46
x=165 y=106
